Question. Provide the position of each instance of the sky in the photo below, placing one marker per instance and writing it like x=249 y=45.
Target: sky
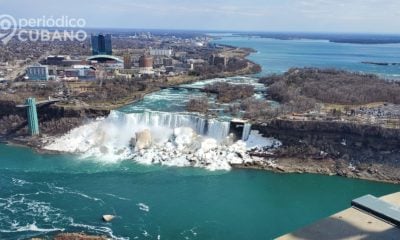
x=365 y=16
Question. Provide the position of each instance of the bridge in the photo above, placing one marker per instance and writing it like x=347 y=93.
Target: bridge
x=40 y=103
x=31 y=106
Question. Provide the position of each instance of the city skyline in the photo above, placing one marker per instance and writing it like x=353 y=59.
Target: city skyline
x=358 y=16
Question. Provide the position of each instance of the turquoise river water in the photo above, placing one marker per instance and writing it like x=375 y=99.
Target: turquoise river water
x=43 y=194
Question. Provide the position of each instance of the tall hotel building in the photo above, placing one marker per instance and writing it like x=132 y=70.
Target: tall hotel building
x=101 y=44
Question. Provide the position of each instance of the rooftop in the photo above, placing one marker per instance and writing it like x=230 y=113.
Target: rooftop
x=104 y=58
x=351 y=224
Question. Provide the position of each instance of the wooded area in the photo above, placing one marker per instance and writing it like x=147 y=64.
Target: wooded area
x=303 y=88
x=227 y=92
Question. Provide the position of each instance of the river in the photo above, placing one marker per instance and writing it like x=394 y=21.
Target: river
x=43 y=194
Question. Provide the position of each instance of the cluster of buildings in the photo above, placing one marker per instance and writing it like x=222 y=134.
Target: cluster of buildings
x=61 y=68
x=153 y=62
x=64 y=68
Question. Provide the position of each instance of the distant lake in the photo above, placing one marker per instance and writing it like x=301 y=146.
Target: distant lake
x=277 y=56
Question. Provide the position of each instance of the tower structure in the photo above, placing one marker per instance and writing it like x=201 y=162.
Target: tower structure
x=33 y=122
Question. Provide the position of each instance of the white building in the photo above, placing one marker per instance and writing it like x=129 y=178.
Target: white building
x=37 y=72
x=161 y=52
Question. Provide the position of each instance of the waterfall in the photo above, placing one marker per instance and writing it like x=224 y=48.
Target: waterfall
x=246 y=131
x=217 y=130
x=175 y=140
x=206 y=127
x=113 y=134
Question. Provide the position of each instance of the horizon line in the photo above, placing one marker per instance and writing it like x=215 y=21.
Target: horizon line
x=229 y=31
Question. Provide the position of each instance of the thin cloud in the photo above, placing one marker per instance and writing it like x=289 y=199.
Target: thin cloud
x=262 y=15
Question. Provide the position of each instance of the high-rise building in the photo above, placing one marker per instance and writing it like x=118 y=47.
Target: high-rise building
x=101 y=44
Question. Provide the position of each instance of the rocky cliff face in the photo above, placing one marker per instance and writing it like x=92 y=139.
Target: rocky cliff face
x=372 y=149
x=8 y=108
x=53 y=119
x=348 y=141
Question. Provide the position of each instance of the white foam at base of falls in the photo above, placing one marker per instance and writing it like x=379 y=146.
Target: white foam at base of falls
x=177 y=140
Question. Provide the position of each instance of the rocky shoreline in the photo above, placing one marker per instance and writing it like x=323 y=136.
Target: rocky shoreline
x=72 y=236
x=331 y=167
x=332 y=148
